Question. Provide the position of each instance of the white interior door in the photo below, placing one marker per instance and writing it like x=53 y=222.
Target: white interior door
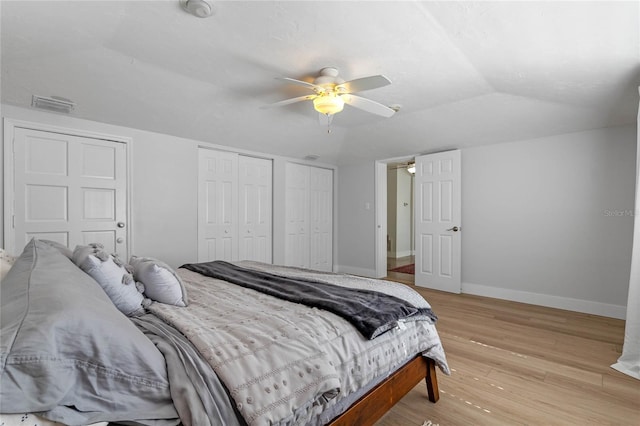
x=297 y=216
x=438 y=221
x=255 y=206
x=69 y=189
x=217 y=205
x=321 y=219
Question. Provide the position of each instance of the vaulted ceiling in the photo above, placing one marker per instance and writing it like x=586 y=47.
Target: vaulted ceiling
x=463 y=73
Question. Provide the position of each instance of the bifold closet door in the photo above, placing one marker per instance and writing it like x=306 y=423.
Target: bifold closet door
x=309 y=217
x=321 y=219
x=217 y=205
x=297 y=216
x=255 y=207
x=234 y=207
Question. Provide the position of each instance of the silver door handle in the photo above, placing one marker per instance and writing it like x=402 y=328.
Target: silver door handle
x=454 y=229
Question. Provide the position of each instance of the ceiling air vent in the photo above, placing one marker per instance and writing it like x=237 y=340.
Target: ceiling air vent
x=54 y=103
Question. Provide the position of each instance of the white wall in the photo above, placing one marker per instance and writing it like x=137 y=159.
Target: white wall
x=164 y=187
x=392 y=219
x=547 y=217
x=404 y=206
x=399 y=212
x=546 y=221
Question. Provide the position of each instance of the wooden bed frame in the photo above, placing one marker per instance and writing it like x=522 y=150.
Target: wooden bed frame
x=368 y=409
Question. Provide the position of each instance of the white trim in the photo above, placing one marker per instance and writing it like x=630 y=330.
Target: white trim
x=352 y=270
x=404 y=253
x=380 y=222
x=551 y=301
x=380 y=188
x=10 y=125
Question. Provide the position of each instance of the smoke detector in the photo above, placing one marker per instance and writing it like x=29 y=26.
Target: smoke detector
x=199 y=8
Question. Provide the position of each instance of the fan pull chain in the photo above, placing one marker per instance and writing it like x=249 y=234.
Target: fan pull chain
x=329 y=121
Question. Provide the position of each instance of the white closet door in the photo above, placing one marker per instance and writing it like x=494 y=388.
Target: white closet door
x=217 y=205
x=70 y=189
x=321 y=219
x=297 y=216
x=255 y=206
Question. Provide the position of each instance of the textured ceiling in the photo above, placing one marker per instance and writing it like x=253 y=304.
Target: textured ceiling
x=464 y=73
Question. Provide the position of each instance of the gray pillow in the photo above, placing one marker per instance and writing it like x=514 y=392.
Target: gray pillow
x=113 y=277
x=61 y=247
x=66 y=351
x=161 y=283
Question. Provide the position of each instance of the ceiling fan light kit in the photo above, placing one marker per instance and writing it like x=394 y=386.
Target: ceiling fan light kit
x=331 y=92
x=328 y=104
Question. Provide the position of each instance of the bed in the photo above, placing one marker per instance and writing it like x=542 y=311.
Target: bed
x=140 y=343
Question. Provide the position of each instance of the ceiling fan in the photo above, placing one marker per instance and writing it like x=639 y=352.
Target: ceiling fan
x=409 y=166
x=331 y=92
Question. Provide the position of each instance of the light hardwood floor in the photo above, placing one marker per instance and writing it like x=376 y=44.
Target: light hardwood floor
x=518 y=364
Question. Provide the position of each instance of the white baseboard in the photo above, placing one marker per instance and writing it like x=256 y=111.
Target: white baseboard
x=560 y=302
x=404 y=253
x=399 y=254
x=363 y=272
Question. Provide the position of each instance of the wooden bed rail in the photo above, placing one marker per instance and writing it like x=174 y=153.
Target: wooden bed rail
x=368 y=409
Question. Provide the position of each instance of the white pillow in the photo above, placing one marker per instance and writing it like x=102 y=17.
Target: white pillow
x=161 y=283
x=6 y=262
x=113 y=278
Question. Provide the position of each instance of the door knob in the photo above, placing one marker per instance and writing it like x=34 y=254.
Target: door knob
x=120 y=224
x=454 y=229
x=120 y=240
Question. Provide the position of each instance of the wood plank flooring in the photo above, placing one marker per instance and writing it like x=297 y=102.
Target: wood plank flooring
x=519 y=364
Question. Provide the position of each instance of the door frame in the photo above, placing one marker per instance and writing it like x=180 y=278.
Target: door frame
x=10 y=125
x=380 y=183
x=380 y=224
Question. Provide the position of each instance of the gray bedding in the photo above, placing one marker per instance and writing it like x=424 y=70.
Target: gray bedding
x=198 y=395
x=68 y=354
x=284 y=363
x=371 y=312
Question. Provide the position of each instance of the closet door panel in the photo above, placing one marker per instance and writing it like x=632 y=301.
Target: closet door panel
x=217 y=205
x=297 y=216
x=69 y=188
x=321 y=219
x=309 y=217
x=255 y=207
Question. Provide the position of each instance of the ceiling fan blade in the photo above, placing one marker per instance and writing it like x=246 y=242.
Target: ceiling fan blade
x=314 y=87
x=368 y=105
x=289 y=101
x=364 y=83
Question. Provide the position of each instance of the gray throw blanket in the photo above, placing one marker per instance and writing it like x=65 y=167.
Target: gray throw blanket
x=371 y=312
x=198 y=395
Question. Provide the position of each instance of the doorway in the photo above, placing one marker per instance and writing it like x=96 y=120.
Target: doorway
x=400 y=222
x=437 y=223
